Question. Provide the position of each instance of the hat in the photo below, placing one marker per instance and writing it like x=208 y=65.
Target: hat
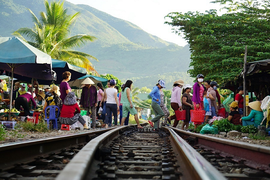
x=17 y=84
x=55 y=89
x=187 y=86
x=213 y=83
x=256 y=105
x=161 y=83
x=70 y=99
x=87 y=81
x=240 y=88
x=46 y=87
x=41 y=94
x=112 y=82
x=234 y=105
x=200 y=76
x=181 y=82
x=23 y=85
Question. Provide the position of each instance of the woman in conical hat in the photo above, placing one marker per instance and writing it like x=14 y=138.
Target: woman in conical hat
x=255 y=117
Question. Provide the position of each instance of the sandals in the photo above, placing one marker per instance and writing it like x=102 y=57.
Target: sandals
x=151 y=123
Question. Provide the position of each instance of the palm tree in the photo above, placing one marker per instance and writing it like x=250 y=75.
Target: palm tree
x=50 y=35
x=137 y=101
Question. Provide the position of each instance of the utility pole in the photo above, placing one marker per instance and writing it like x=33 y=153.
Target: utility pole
x=244 y=81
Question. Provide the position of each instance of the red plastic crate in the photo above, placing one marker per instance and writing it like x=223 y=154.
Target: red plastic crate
x=65 y=127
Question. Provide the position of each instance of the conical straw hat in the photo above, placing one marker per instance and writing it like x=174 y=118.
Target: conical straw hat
x=87 y=81
x=256 y=105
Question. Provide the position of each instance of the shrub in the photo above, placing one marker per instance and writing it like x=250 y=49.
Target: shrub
x=237 y=127
x=223 y=125
x=3 y=133
x=249 y=129
x=29 y=126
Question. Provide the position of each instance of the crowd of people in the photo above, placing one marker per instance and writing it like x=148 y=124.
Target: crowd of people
x=100 y=103
x=204 y=97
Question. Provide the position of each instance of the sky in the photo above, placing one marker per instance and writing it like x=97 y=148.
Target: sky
x=149 y=14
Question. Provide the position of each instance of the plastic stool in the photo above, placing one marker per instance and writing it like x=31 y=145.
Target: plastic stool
x=65 y=127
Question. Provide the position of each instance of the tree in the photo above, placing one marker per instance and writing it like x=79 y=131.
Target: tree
x=110 y=76
x=217 y=43
x=50 y=35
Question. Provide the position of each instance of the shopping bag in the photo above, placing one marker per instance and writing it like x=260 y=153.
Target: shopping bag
x=222 y=112
x=180 y=115
x=197 y=115
x=100 y=110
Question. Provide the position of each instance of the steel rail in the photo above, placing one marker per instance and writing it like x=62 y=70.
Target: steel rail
x=78 y=167
x=26 y=151
x=252 y=152
x=202 y=168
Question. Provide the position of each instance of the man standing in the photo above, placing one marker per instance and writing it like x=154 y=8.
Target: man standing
x=89 y=99
x=155 y=95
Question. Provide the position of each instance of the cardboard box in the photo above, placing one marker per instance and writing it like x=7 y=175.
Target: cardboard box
x=8 y=124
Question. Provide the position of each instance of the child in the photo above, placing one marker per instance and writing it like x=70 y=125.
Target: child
x=207 y=105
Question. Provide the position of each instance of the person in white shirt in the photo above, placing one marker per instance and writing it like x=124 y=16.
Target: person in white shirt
x=112 y=104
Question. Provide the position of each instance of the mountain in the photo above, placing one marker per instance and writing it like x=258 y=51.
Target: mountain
x=122 y=48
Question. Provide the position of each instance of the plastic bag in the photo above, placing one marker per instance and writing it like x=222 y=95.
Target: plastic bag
x=207 y=129
x=100 y=110
x=228 y=101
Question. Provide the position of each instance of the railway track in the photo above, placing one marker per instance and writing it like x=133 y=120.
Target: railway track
x=235 y=160
x=43 y=158
x=128 y=153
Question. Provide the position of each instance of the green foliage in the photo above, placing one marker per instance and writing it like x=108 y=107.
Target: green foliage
x=191 y=127
x=249 y=129
x=258 y=137
x=236 y=127
x=29 y=126
x=199 y=127
x=50 y=35
x=217 y=42
x=3 y=133
x=118 y=81
x=223 y=125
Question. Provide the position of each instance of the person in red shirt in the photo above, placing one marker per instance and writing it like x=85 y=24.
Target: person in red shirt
x=70 y=112
x=239 y=99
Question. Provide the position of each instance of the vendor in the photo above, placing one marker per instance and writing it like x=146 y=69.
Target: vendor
x=255 y=117
x=234 y=116
x=239 y=99
x=53 y=98
x=22 y=90
x=40 y=98
x=70 y=112
x=23 y=101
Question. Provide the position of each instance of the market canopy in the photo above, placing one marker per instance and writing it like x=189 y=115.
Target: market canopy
x=61 y=66
x=24 y=59
x=19 y=57
x=78 y=82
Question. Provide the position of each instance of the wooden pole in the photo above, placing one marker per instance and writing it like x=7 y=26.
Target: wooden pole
x=244 y=81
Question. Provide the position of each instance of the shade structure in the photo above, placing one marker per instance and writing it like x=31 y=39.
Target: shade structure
x=78 y=82
x=58 y=67
x=61 y=66
x=19 y=57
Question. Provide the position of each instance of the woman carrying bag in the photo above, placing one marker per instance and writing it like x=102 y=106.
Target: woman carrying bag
x=187 y=105
x=176 y=103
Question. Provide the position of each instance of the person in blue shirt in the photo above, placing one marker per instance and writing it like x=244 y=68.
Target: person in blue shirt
x=155 y=95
